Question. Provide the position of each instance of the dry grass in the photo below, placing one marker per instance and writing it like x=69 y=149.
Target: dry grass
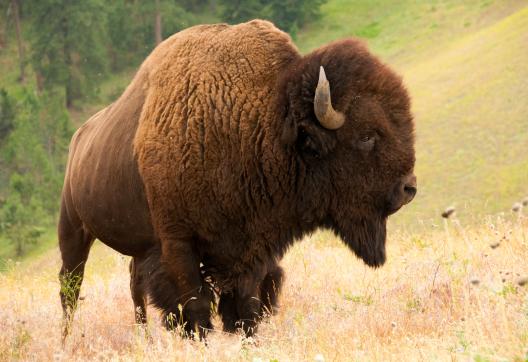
x=422 y=305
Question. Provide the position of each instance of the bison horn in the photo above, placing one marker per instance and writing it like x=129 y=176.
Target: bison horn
x=326 y=114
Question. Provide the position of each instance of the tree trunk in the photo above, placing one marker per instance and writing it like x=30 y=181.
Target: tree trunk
x=39 y=79
x=68 y=86
x=16 y=14
x=3 y=31
x=157 y=24
x=212 y=6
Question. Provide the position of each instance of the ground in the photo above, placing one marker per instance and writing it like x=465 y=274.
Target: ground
x=446 y=293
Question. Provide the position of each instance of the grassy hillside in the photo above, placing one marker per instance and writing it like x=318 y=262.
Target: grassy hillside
x=472 y=120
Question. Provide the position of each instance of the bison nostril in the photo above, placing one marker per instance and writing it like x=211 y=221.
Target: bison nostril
x=410 y=190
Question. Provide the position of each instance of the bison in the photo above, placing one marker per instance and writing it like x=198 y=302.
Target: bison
x=227 y=146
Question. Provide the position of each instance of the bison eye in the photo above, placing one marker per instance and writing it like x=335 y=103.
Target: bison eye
x=365 y=139
x=366 y=142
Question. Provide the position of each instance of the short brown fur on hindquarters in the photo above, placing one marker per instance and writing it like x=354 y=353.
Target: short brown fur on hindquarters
x=214 y=155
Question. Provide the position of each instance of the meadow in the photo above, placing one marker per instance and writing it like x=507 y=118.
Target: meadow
x=447 y=293
x=452 y=289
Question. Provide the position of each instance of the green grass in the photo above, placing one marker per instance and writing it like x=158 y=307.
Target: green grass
x=407 y=30
x=47 y=241
x=472 y=126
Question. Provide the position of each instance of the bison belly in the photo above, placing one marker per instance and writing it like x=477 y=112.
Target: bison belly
x=103 y=179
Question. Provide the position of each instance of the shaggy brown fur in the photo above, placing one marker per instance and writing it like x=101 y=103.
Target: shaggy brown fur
x=214 y=156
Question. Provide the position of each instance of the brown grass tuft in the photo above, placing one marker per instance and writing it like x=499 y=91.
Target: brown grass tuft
x=448 y=212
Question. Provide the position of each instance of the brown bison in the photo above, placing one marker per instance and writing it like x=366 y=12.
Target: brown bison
x=227 y=147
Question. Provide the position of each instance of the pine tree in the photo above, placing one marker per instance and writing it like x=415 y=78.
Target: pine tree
x=6 y=114
x=132 y=28
x=15 y=8
x=237 y=11
x=290 y=15
x=34 y=154
x=68 y=48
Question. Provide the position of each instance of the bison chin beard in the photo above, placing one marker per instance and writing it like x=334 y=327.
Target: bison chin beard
x=366 y=238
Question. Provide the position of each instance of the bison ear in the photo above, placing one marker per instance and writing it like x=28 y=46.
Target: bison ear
x=315 y=142
x=308 y=138
x=310 y=119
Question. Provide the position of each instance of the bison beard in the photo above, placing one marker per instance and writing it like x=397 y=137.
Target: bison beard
x=366 y=238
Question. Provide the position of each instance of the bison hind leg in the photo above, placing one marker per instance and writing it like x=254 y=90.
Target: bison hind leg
x=75 y=243
x=227 y=309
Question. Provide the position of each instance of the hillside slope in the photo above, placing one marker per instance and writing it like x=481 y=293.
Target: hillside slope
x=465 y=66
x=471 y=108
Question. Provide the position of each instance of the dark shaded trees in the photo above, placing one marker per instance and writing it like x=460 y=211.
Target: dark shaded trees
x=134 y=27
x=33 y=158
x=288 y=15
x=15 y=8
x=68 y=46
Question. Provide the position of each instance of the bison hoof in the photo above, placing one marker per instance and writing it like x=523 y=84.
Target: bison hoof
x=249 y=328
x=191 y=324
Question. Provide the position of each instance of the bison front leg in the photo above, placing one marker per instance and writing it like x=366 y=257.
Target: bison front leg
x=244 y=307
x=241 y=309
x=249 y=307
x=227 y=309
x=176 y=287
x=270 y=289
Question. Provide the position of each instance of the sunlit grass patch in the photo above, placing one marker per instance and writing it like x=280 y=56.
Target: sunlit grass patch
x=420 y=305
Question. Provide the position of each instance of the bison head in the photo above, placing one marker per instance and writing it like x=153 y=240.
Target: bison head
x=353 y=132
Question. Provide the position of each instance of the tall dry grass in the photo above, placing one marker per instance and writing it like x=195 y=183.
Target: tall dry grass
x=444 y=294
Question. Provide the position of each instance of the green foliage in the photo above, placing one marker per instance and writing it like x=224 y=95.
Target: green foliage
x=6 y=115
x=131 y=30
x=359 y=299
x=507 y=289
x=238 y=11
x=289 y=15
x=20 y=218
x=67 y=45
x=34 y=155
